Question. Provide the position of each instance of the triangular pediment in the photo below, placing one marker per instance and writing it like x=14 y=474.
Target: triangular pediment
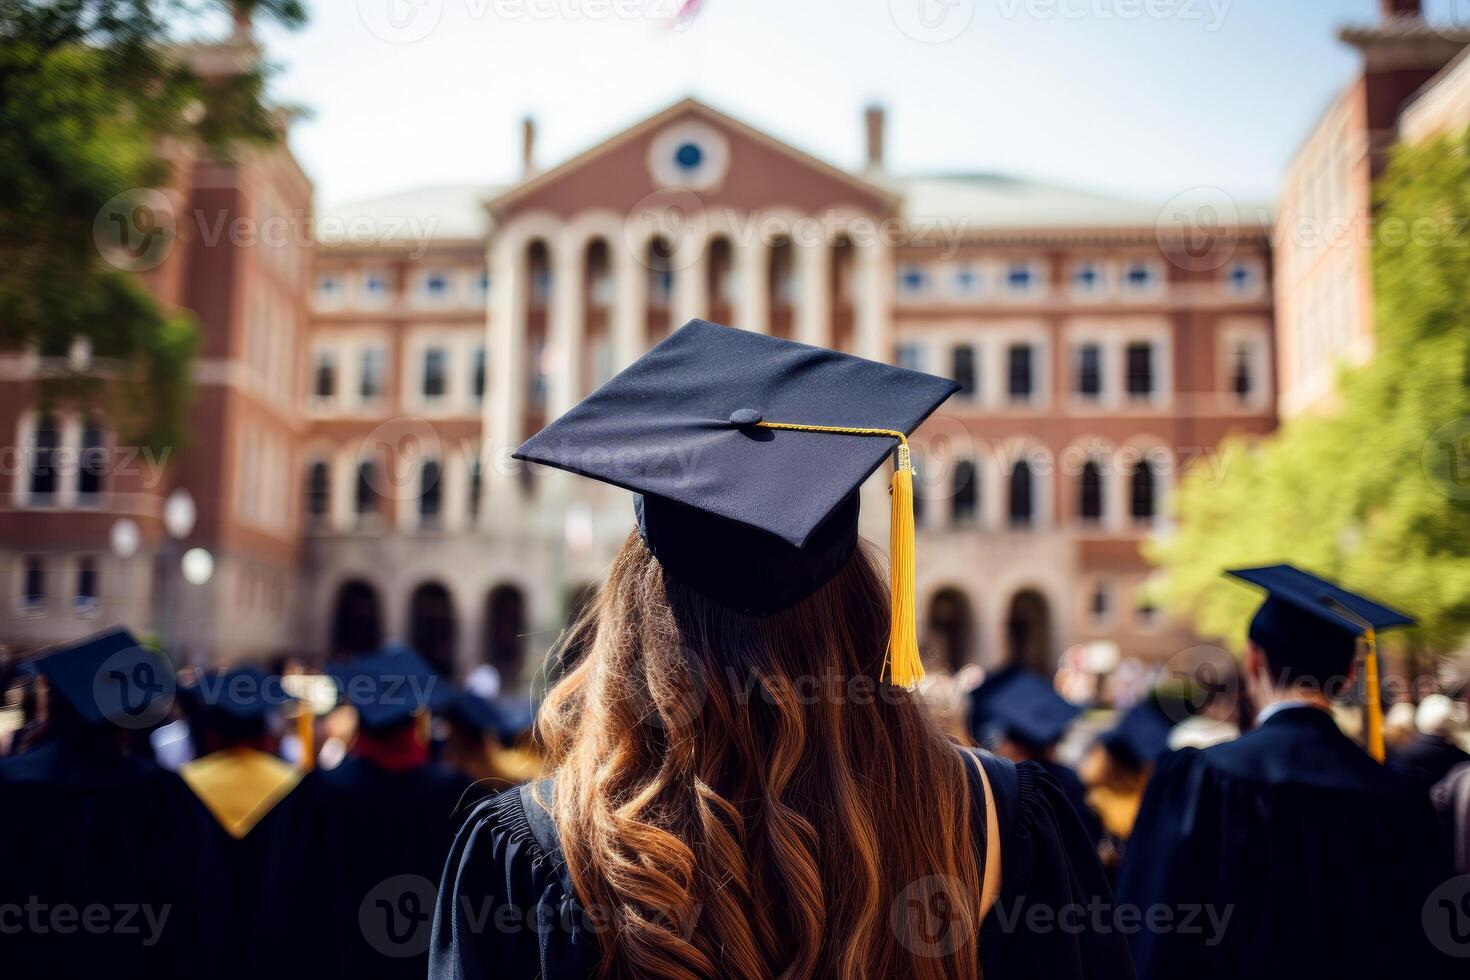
x=693 y=147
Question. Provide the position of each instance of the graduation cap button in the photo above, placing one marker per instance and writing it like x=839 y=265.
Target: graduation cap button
x=746 y=416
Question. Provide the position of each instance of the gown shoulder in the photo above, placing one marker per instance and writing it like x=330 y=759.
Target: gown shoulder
x=1050 y=918
x=507 y=907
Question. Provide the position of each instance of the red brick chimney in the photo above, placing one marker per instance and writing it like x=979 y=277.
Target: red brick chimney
x=1398 y=9
x=873 y=120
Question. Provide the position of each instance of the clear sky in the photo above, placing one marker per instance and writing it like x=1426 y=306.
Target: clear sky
x=1144 y=97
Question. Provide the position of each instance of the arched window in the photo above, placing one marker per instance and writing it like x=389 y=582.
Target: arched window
x=432 y=627
x=782 y=286
x=1143 y=491
x=357 y=623
x=1022 y=506
x=1090 y=493
x=505 y=632
x=720 y=277
x=318 y=492
x=966 y=505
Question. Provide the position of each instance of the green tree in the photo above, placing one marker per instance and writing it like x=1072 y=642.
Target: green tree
x=92 y=95
x=1377 y=493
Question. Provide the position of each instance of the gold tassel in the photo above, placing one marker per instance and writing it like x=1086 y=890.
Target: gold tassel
x=1375 y=699
x=902 y=664
x=905 y=667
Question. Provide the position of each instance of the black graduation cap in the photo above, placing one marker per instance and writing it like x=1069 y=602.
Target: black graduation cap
x=1024 y=705
x=1310 y=624
x=238 y=700
x=391 y=686
x=110 y=679
x=1141 y=736
x=747 y=452
x=507 y=718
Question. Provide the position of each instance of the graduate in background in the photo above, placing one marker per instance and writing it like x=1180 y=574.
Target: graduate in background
x=1018 y=714
x=1116 y=770
x=386 y=819
x=262 y=809
x=1430 y=752
x=89 y=828
x=1322 y=856
x=490 y=740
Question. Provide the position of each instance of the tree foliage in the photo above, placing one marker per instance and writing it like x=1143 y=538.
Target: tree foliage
x=1377 y=493
x=92 y=93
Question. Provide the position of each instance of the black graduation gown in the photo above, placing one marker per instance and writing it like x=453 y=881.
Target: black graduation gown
x=260 y=919
x=1076 y=794
x=105 y=866
x=1321 y=857
x=507 y=908
x=381 y=839
x=1427 y=759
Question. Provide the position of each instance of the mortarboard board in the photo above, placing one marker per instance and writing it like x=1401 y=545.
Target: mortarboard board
x=1311 y=626
x=1024 y=705
x=110 y=679
x=390 y=687
x=752 y=449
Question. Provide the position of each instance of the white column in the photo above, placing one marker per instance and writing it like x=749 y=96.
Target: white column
x=872 y=329
x=630 y=304
x=565 y=334
x=814 y=301
x=690 y=280
x=506 y=341
x=752 y=286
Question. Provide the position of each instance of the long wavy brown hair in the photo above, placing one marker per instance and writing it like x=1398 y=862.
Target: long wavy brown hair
x=741 y=797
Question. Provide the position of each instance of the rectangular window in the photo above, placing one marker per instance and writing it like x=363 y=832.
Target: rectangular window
x=92 y=467
x=435 y=360
x=431 y=496
x=86 y=597
x=1141 y=370
x=1242 y=372
x=324 y=377
x=44 y=461
x=1089 y=371
x=913 y=281
x=1020 y=277
x=963 y=370
x=365 y=498
x=477 y=378
x=374 y=374
x=1020 y=384
x=33 y=582
x=477 y=483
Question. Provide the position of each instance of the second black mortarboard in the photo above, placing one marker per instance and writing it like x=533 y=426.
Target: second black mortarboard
x=1310 y=626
